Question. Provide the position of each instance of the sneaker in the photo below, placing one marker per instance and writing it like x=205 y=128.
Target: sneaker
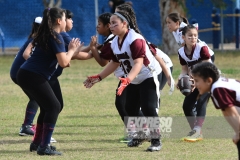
x=193 y=136
x=47 y=151
x=137 y=139
x=34 y=147
x=26 y=130
x=52 y=140
x=156 y=145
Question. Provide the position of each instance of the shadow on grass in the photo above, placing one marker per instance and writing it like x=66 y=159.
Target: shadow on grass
x=91 y=116
x=90 y=141
x=89 y=125
x=14 y=151
x=2 y=142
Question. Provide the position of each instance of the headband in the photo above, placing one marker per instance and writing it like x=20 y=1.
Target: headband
x=121 y=16
x=182 y=25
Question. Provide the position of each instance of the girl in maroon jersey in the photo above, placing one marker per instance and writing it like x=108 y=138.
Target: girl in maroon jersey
x=189 y=55
x=224 y=94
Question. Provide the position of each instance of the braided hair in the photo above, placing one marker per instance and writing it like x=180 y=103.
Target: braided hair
x=128 y=8
x=46 y=30
x=131 y=19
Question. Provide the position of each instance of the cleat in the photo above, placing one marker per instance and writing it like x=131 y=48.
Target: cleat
x=137 y=139
x=34 y=147
x=193 y=136
x=156 y=145
x=47 y=151
x=26 y=130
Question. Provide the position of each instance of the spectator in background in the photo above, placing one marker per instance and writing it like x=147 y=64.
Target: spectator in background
x=3 y=38
x=114 y=3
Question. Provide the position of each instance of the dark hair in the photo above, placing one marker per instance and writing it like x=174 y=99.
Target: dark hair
x=187 y=28
x=206 y=70
x=69 y=14
x=105 y=18
x=128 y=8
x=176 y=17
x=45 y=30
x=130 y=19
x=35 y=27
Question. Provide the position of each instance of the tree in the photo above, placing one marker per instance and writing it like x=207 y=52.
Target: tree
x=169 y=44
x=52 y=3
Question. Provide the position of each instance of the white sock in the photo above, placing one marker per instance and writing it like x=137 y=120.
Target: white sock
x=197 y=129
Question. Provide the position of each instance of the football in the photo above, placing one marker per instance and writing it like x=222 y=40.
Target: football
x=185 y=85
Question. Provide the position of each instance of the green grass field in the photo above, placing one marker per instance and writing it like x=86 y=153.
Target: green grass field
x=89 y=125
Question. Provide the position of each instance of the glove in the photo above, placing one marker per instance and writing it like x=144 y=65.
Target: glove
x=87 y=83
x=91 y=80
x=124 y=83
x=172 y=86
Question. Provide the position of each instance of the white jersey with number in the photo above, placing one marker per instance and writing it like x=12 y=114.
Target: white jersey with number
x=124 y=56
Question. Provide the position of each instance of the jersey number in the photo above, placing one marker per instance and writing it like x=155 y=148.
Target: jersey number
x=126 y=66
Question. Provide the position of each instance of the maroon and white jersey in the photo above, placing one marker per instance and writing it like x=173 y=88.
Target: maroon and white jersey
x=105 y=53
x=199 y=53
x=225 y=93
x=178 y=37
x=132 y=47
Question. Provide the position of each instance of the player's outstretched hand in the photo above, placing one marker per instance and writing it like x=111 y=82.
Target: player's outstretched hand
x=193 y=83
x=124 y=83
x=172 y=84
x=93 y=42
x=74 y=44
x=235 y=139
x=91 y=80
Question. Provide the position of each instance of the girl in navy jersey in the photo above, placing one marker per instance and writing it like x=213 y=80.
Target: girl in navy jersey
x=130 y=50
x=224 y=94
x=48 y=47
x=189 y=55
x=27 y=127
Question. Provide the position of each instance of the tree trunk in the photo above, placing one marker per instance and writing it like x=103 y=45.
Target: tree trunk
x=51 y=3
x=169 y=44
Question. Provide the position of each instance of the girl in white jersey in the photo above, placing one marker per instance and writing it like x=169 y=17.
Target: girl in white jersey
x=225 y=94
x=189 y=55
x=130 y=51
x=175 y=23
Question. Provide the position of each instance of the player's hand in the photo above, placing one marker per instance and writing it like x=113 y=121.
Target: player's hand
x=93 y=42
x=193 y=83
x=124 y=83
x=87 y=83
x=68 y=65
x=91 y=80
x=74 y=44
x=235 y=139
x=172 y=84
